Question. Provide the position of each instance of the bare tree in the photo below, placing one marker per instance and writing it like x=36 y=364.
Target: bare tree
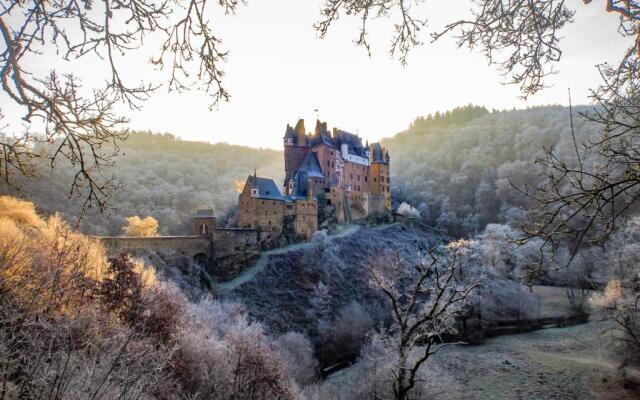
x=584 y=200
x=425 y=300
x=80 y=124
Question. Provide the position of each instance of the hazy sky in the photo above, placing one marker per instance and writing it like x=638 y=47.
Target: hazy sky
x=279 y=71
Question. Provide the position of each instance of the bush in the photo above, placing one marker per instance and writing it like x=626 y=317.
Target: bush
x=141 y=227
x=74 y=326
x=57 y=340
x=296 y=352
x=223 y=356
x=408 y=211
x=352 y=325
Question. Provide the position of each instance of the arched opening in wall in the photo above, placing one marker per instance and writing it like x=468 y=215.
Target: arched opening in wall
x=204 y=230
x=201 y=259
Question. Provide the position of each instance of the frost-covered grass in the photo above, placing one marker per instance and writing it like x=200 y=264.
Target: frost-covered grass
x=559 y=363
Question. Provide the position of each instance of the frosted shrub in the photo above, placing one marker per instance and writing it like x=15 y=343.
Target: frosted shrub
x=408 y=211
x=20 y=211
x=296 y=352
x=320 y=237
x=141 y=227
x=222 y=355
x=57 y=338
x=352 y=325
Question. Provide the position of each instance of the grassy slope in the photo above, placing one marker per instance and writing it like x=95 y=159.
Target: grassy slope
x=559 y=363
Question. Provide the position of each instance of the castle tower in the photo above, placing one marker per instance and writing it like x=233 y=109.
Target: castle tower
x=379 y=175
x=204 y=222
x=295 y=150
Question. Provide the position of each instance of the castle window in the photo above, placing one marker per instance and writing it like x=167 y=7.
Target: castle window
x=328 y=163
x=374 y=179
x=269 y=222
x=366 y=178
x=255 y=192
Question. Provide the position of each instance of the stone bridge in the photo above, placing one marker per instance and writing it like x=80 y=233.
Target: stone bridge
x=224 y=252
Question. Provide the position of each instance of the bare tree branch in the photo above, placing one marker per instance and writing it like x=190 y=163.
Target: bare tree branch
x=80 y=124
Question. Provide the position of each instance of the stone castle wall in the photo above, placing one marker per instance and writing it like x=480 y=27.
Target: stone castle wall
x=306 y=218
x=224 y=253
x=266 y=215
x=187 y=245
x=227 y=242
x=377 y=203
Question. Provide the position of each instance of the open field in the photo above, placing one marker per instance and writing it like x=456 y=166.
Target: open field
x=558 y=363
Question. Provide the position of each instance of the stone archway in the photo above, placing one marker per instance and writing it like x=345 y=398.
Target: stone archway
x=202 y=260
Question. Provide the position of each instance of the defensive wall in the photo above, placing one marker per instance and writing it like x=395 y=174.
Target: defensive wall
x=223 y=252
x=187 y=245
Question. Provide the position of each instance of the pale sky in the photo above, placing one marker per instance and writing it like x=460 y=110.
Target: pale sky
x=279 y=71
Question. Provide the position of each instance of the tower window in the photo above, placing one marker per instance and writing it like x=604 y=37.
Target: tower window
x=255 y=192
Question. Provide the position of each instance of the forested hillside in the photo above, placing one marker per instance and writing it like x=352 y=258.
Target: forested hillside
x=161 y=176
x=458 y=168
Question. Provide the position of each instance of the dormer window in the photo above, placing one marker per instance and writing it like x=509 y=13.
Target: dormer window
x=255 y=192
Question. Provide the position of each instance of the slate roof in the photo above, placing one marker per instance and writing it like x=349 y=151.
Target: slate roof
x=267 y=188
x=378 y=156
x=300 y=186
x=205 y=213
x=353 y=142
x=311 y=166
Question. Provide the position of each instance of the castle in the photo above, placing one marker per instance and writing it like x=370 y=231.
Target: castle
x=328 y=176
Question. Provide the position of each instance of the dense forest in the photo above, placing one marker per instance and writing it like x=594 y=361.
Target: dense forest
x=460 y=168
x=160 y=176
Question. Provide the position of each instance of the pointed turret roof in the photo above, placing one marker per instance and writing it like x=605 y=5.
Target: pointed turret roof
x=311 y=166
